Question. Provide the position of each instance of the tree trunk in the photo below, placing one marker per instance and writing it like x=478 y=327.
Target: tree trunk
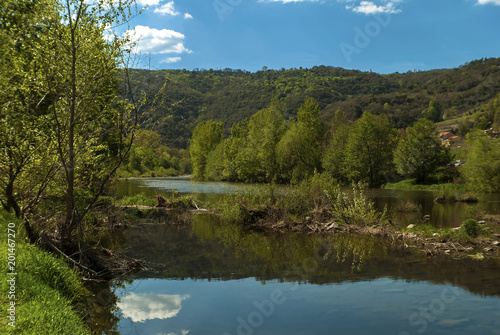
x=11 y=199
x=70 y=222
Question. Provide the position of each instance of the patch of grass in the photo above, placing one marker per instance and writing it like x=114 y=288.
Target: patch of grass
x=46 y=289
x=445 y=234
x=138 y=199
x=449 y=193
x=409 y=184
x=469 y=230
x=407 y=207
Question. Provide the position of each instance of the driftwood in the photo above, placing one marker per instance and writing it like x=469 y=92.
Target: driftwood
x=56 y=249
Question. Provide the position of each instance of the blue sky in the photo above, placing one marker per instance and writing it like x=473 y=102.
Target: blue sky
x=382 y=35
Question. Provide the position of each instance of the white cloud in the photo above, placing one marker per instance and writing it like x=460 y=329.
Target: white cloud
x=486 y=2
x=167 y=9
x=140 y=308
x=369 y=7
x=148 y=2
x=157 y=41
x=188 y=16
x=170 y=60
x=288 y=1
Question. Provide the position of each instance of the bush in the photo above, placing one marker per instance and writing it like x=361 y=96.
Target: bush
x=471 y=227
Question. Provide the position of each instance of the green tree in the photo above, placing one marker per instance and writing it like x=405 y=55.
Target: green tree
x=496 y=115
x=26 y=165
x=265 y=129
x=483 y=162
x=82 y=65
x=206 y=136
x=420 y=152
x=334 y=157
x=234 y=158
x=298 y=150
x=434 y=112
x=369 y=150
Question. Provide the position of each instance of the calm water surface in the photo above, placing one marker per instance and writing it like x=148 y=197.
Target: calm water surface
x=205 y=276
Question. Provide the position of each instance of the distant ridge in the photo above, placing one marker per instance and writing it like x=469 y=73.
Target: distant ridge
x=233 y=95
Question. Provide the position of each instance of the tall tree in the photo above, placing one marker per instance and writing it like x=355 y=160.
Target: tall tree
x=206 y=136
x=420 y=152
x=483 y=162
x=82 y=67
x=298 y=150
x=369 y=149
x=265 y=129
x=26 y=167
x=334 y=156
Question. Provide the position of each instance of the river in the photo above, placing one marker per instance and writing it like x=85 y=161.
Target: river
x=206 y=277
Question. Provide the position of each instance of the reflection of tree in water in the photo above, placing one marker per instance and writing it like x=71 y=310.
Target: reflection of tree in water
x=279 y=252
x=100 y=308
x=210 y=249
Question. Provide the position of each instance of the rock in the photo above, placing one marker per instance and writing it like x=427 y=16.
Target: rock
x=333 y=225
x=411 y=226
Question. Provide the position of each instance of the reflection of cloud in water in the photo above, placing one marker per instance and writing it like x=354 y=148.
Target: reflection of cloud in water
x=142 y=307
x=183 y=332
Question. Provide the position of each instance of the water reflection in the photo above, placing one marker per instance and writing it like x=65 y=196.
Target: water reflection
x=142 y=307
x=211 y=249
x=380 y=306
x=206 y=276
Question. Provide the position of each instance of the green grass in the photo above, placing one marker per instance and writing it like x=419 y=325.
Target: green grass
x=409 y=184
x=46 y=289
x=468 y=231
x=138 y=199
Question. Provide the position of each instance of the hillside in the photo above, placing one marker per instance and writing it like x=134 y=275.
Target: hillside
x=233 y=95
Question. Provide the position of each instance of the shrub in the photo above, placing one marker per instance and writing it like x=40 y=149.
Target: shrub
x=471 y=227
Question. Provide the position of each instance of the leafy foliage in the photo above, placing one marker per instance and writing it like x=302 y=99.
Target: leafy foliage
x=206 y=136
x=483 y=163
x=420 y=152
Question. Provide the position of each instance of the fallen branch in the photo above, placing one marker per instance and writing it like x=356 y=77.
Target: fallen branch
x=55 y=249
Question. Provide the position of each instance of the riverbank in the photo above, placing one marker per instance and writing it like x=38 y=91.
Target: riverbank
x=45 y=289
x=420 y=238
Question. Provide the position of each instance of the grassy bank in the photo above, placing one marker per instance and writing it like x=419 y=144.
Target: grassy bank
x=46 y=289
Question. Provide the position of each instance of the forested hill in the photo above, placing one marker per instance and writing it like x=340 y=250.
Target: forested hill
x=233 y=95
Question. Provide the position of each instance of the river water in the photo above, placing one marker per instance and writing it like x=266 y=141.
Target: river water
x=205 y=276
